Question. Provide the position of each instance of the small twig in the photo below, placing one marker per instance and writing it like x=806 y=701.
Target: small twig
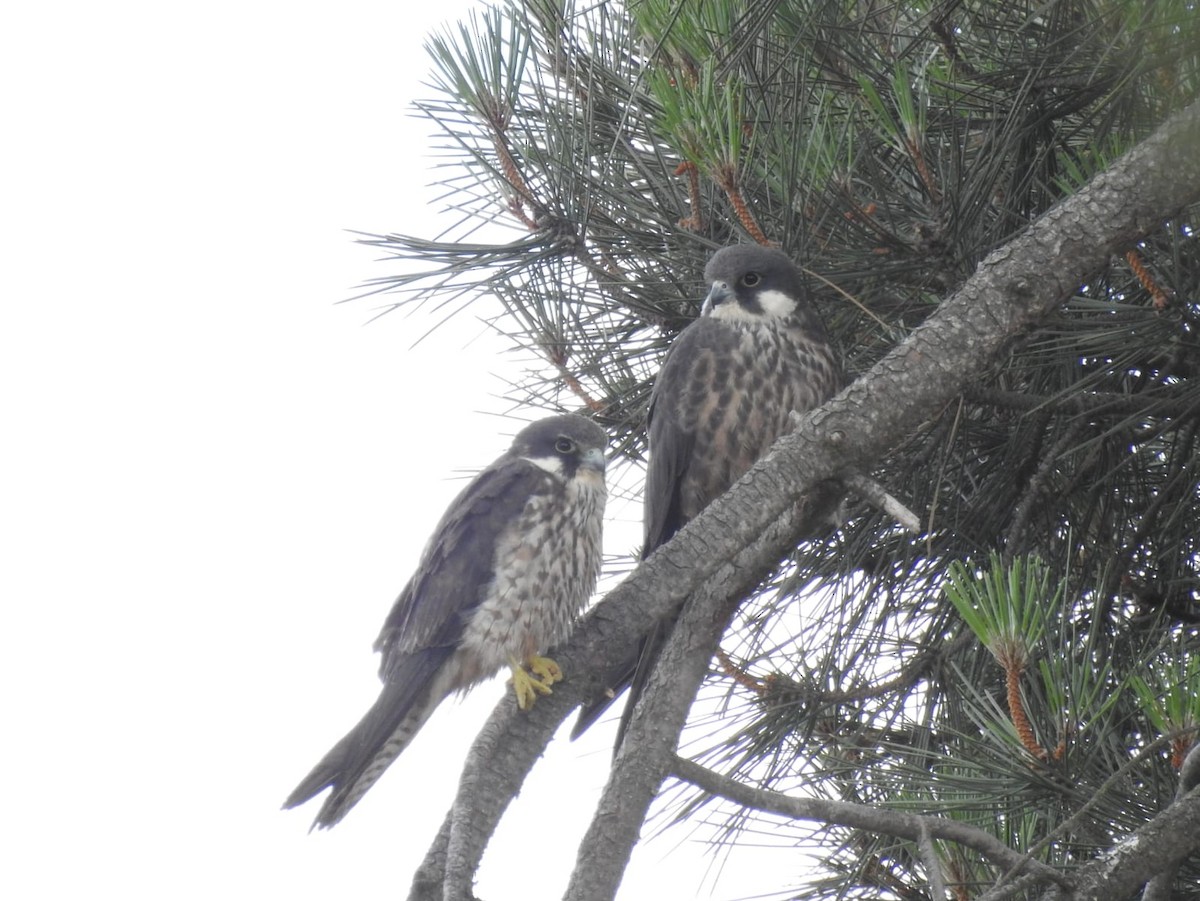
x=913 y=148
x=559 y=361
x=512 y=172
x=1095 y=403
x=866 y=216
x=878 y=496
x=726 y=177
x=782 y=687
x=508 y=165
x=740 y=675
x=943 y=466
x=1008 y=888
x=1161 y=301
x=694 y=222
x=1035 y=489
x=875 y=494
x=1016 y=707
x=517 y=208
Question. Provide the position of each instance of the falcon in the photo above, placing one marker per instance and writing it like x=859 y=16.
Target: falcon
x=730 y=381
x=507 y=571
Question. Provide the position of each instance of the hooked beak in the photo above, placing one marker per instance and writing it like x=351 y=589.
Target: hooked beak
x=594 y=459
x=717 y=295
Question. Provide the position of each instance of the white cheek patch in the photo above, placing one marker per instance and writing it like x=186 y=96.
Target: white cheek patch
x=776 y=303
x=552 y=465
x=732 y=311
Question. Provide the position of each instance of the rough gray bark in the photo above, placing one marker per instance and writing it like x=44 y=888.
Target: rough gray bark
x=1012 y=288
x=1155 y=848
x=653 y=732
x=1159 y=887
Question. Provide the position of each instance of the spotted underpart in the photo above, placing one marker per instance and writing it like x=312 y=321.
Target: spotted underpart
x=546 y=564
x=745 y=380
x=508 y=569
x=725 y=394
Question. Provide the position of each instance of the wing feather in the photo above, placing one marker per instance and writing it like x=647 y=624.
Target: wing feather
x=688 y=382
x=690 y=379
x=458 y=563
x=422 y=631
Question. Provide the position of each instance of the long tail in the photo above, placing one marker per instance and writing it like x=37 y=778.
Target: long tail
x=354 y=764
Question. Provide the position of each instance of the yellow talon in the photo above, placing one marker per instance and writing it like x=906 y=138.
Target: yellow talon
x=528 y=683
x=550 y=671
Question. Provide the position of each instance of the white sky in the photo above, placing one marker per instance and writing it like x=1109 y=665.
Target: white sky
x=216 y=480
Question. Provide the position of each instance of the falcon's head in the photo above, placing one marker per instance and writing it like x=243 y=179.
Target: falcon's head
x=566 y=446
x=751 y=283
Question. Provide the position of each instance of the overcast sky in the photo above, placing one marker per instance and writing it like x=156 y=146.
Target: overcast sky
x=217 y=479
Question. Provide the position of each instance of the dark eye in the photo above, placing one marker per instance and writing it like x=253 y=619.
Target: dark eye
x=564 y=446
x=750 y=279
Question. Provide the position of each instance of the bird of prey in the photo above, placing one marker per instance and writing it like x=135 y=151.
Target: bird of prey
x=723 y=396
x=508 y=569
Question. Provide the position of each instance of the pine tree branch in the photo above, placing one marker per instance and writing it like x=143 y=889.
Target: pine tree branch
x=652 y=736
x=933 y=864
x=431 y=874
x=1159 y=888
x=896 y=823
x=877 y=496
x=1015 y=286
x=1150 y=851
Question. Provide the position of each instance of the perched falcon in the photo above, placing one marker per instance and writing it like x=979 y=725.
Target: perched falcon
x=729 y=382
x=509 y=567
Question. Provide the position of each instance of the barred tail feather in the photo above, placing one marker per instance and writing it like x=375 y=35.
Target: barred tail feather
x=354 y=764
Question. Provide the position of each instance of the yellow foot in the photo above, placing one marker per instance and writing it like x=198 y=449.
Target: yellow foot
x=533 y=679
x=550 y=671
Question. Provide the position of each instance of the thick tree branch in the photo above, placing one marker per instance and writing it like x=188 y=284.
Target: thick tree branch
x=933 y=866
x=652 y=735
x=1154 y=849
x=1159 y=888
x=1011 y=289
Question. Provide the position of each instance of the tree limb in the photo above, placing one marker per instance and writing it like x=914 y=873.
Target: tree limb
x=1168 y=838
x=1159 y=888
x=877 y=496
x=933 y=866
x=897 y=823
x=652 y=736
